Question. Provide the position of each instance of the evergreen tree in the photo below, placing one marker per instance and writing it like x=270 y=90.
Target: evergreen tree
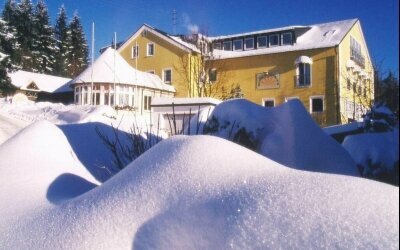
x=24 y=26
x=44 y=42
x=8 y=35
x=63 y=43
x=78 y=56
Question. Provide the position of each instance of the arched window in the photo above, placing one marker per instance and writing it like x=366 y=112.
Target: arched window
x=303 y=71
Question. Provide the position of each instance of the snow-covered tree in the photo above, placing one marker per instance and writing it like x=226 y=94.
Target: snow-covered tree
x=8 y=35
x=78 y=56
x=44 y=42
x=63 y=43
x=380 y=119
x=24 y=20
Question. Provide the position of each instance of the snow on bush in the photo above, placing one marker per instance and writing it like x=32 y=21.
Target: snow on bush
x=286 y=134
x=376 y=154
x=379 y=119
x=182 y=194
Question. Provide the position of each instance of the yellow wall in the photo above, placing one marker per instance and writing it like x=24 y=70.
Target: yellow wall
x=345 y=74
x=166 y=56
x=243 y=71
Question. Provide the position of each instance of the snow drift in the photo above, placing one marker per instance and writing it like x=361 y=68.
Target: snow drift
x=286 y=134
x=196 y=196
x=38 y=167
x=376 y=154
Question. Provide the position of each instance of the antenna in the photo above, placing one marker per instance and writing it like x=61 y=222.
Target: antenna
x=174 y=21
x=115 y=49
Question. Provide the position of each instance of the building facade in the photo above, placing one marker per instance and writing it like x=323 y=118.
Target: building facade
x=327 y=66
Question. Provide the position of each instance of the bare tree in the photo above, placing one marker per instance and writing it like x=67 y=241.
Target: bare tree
x=204 y=76
x=358 y=92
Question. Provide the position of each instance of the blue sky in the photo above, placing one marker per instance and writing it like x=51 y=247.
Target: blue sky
x=379 y=19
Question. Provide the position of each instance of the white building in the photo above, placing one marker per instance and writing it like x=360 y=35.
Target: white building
x=114 y=82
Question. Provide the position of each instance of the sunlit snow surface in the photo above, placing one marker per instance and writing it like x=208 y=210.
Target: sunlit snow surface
x=186 y=192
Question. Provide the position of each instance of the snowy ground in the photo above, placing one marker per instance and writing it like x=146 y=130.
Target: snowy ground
x=9 y=127
x=200 y=192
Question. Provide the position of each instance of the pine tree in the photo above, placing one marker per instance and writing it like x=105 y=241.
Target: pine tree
x=24 y=26
x=8 y=38
x=78 y=57
x=63 y=43
x=44 y=42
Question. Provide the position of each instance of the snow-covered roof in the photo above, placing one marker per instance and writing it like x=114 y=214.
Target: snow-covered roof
x=175 y=40
x=110 y=67
x=163 y=101
x=323 y=35
x=256 y=32
x=46 y=83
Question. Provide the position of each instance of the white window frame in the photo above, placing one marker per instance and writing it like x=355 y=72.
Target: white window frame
x=145 y=103
x=220 y=45
x=269 y=40
x=266 y=42
x=248 y=39
x=298 y=74
x=163 y=76
x=291 y=38
x=148 y=50
x=227 y=42
x=241 y=45
x=267 y=99
x=291 y=98
x=133 y=56
x=216 y=74
x=323 y=103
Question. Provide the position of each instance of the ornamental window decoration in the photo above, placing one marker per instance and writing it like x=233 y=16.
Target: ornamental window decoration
x=267 y=80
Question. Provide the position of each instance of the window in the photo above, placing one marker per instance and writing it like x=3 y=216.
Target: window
x=355 y=52
x=262 y=42
x=287 y=38
x=212 y=75
x=227 y=45
x=316 y=104
x=135 y=51
x=217 y=45
x=147 y=103
x=238 y=45
x=150 y=49
x=248 y=43
x=303 y=78
x=274 y=40
x=167 y=76
x=268 y=102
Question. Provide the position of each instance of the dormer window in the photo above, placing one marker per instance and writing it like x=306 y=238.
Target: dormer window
x=249 y=43
x=274 y=40
x=227 y=45
x=261 y=42
x=286 y=38
x=238 y=44
x=217 y=45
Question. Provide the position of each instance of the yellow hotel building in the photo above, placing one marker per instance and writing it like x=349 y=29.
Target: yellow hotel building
x=327 y=66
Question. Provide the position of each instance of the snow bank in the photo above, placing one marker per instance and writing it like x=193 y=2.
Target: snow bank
x=374 y=153
x=286 y=134
x=58 y=113
x=38 y=167
x=192 y=196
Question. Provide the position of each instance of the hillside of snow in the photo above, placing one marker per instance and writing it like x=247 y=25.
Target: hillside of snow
x=286 y=134
x=181 y=194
